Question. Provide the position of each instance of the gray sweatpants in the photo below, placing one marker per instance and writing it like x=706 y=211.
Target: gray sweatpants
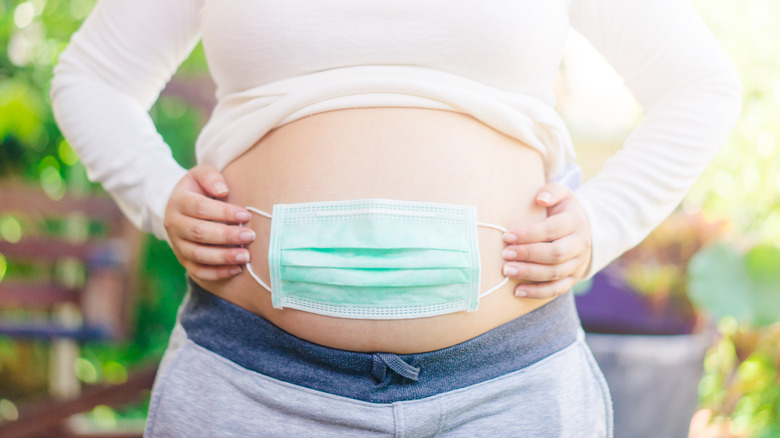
x=199 y=393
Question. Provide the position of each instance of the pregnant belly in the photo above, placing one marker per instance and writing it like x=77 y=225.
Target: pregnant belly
x=391 y=153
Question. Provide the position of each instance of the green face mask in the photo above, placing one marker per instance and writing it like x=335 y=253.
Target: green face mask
x=374 y=258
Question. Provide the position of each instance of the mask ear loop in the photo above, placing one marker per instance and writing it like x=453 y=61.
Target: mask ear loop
x=504 y=281
x=248 y=266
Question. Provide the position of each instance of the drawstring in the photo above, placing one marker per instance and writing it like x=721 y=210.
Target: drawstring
x=383 y=361
x=479 y=224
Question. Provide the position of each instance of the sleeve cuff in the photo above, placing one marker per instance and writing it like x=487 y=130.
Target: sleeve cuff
x=597 y=259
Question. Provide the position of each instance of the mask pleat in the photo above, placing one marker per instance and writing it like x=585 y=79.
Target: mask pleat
x=393 y=258
x=375 y=232
x=387 y=297
x=374 y=277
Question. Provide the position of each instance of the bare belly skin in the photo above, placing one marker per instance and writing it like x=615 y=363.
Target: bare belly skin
x=392 y=153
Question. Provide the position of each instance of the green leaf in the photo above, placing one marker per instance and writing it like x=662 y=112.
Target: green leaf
x=718 y=282
x=725 y=283
x=762 y=264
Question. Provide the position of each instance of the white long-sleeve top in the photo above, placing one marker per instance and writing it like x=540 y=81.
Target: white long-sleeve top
x=274 y=62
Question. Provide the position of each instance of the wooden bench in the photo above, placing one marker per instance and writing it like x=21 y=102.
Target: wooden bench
x=71 y=270
x=63 y=231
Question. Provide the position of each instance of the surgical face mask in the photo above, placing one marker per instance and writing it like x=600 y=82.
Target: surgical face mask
x=374 y=258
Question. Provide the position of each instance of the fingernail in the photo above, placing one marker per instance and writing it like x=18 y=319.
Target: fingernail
x=509 y=254
x=545 y=197
x=242 y=258
x=510 y=270
x=235 y=271
x=521 y=293
x=247 y=236
x=220 y=188
x=243 y=216
x=510 y=237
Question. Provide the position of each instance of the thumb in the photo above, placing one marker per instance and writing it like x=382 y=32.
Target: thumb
x=552 y=193
x=210 y=180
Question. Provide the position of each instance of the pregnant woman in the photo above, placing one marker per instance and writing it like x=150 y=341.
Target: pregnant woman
x=390 y=157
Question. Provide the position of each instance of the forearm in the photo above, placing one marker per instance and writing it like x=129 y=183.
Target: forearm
x=644 y=182
x=691 y=96
x=104 y=84
x=118 y=145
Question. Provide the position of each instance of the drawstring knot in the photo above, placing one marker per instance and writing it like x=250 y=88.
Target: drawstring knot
x=383 y=361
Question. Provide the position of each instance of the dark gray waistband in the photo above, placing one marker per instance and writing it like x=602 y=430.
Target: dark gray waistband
x=254 y=343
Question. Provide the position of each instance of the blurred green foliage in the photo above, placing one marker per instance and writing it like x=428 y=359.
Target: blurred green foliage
x=743 y=183
x=32 y=34
x=741 y=381
x=657 y=267
x=745 y=287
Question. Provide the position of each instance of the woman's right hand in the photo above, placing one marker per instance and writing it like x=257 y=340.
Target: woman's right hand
x=203 y=230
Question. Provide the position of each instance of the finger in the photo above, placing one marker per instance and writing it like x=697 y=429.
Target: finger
x=552 y=228
x=555 y=252
x=212 y=255
x=212 y=273
x=540 y=272
x=209 y=178
x=548 y=289
x=213 y=233
x=202 y=207
x=552 y=193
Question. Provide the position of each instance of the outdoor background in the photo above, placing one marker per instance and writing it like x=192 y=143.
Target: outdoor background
x=740 y=189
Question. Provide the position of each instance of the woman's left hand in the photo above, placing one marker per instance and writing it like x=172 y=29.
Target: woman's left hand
x=553 y=254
